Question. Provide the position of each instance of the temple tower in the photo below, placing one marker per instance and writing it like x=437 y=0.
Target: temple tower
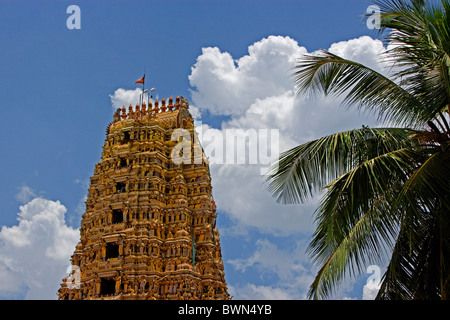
x=149 y=227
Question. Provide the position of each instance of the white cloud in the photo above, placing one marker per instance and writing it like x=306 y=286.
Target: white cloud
x=364 y=50
x=256 y=91
x=241 y=192
x=289 y=266
x=25 y=194
x=370 y=293
x=35 y=253
x=123 y=97
x=251 y=291
x=269 y=258
x=225 y=86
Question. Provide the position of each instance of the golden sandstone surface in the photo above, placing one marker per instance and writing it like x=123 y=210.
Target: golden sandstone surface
x=149 y=227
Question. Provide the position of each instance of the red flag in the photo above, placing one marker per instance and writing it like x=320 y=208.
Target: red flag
x=141 y=80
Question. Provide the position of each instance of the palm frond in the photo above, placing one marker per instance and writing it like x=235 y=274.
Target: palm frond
x=308 y=168
x=364 y=87
x=357 y=219
x=413 y=272
x=430 y=181
x=420 y=49
x=419 y=38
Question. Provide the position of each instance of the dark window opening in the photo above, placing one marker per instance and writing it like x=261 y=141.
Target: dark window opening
x=126 y=136
x=112 y=250
x=121 y=187
x=117 y=216
x=123 y=162
x=107 y=286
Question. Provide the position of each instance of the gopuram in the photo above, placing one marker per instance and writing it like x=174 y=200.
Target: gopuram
x=148 y=232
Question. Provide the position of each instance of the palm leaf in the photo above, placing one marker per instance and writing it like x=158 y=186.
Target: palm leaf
x=310 y=167
x=414 y=269
x=420 y=41
x=352 y=230
x=362 y=86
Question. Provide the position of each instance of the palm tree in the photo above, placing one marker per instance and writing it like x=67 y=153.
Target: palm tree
x=387 y=189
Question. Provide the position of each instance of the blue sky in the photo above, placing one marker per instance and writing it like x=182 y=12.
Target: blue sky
x=55 y=94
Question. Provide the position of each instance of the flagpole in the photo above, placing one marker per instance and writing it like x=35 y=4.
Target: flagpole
x=142 y=80
x=143 y=84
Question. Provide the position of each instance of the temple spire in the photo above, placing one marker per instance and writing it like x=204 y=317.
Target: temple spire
x=149 y=230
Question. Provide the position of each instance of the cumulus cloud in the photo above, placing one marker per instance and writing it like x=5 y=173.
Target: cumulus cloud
x=289 y=266
x=257 y=91
x=225 y=86
x=25 y=194
x=251 y=291
x=241 y=193
x=269 y=258
x=370 y=293
x=123 y=97
x=35 y=253
x=364 y=50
